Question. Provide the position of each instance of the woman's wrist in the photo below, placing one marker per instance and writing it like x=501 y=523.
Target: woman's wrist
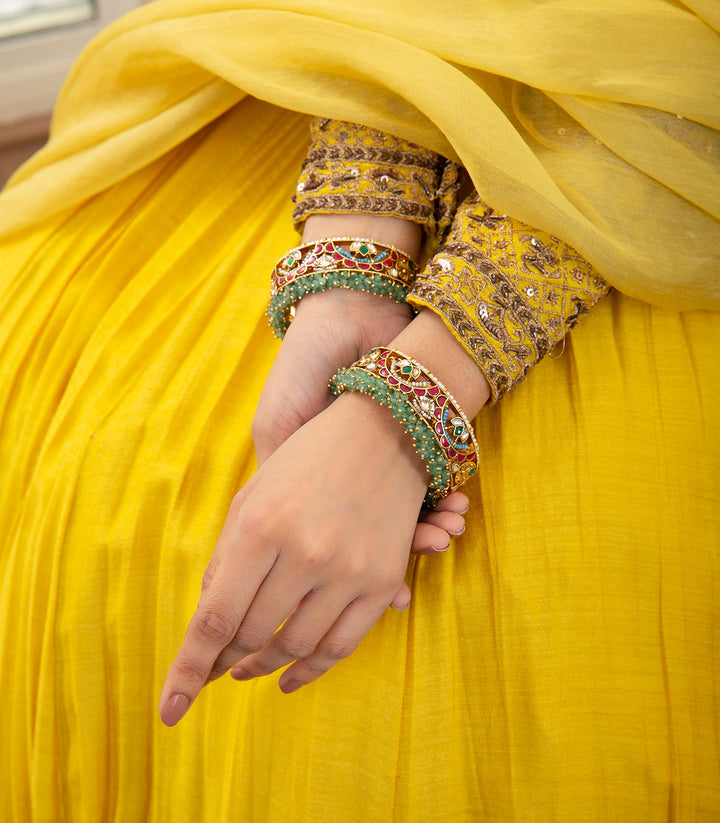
x=429 y=341
x=404 y=235
x=366 y=313
x=378 y=429
x=345 y=252
x=423 y=406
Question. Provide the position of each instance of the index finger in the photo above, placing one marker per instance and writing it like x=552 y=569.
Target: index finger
x=223 y=605
x=211 y=628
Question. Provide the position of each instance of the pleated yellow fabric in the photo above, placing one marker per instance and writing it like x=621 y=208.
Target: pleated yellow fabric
x=596 y=122
x=560 y=663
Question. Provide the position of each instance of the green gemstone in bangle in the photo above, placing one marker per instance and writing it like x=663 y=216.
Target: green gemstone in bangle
x=280 y=304
x=359 y=380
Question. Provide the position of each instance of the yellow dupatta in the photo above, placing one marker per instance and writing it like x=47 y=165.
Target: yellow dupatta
x=597 y=122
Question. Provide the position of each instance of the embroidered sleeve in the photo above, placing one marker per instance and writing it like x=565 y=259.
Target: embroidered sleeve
x=508 y=292
x=352 y=168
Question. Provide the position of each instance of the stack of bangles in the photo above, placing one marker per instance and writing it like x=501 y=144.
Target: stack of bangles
x=338 y=262
x=442 y=434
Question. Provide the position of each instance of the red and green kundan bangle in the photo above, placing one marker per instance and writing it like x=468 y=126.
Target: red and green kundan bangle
x=337 y=263
x=442 y=434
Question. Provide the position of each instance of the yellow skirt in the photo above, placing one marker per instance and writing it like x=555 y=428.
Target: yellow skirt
x=560 y=663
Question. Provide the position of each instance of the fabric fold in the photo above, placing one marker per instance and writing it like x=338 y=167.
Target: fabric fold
x=163 y=72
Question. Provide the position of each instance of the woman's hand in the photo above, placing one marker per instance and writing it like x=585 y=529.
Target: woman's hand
x=330 y=330
x=313 y=551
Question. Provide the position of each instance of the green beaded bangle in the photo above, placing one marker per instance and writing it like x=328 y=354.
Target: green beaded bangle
x=329 y=264
x=358 y=380
x=279 y=310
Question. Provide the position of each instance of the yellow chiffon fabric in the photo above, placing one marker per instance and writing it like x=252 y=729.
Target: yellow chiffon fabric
x=596 y=122
x=560 y=663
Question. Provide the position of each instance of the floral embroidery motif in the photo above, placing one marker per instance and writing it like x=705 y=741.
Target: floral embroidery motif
x=508 y=292
x=353 y=168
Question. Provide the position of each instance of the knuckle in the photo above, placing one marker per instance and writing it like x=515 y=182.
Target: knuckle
x=312 y=557
x=356 y=566
x=190 y=670
x=261 y=429
x=208 y=576
x=308 y=555
x=249 y=639
x=258 y=524
x=339 y=648
x=215 y=625
x=295 y=647
x=235 y=505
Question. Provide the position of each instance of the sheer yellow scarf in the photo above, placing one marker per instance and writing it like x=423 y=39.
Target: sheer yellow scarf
x=597 y=122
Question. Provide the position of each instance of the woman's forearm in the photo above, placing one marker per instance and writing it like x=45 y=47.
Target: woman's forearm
x=427 y=339
x=393 y=231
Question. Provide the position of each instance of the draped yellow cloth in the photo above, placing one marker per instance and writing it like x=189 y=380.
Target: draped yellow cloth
x=596 y=122
x=561 y=662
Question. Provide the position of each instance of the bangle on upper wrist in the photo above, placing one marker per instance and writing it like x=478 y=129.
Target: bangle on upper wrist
x=339 y=262
x=442 y=434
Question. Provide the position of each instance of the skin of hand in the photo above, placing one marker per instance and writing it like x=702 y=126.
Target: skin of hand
x=316 y=544
x=332 y=329
x=351 y=507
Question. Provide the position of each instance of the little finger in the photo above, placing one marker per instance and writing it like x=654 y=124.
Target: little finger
x=450 y=522
x=429 y=539
x=282 y=593
x=455 y=502
x=401 y=601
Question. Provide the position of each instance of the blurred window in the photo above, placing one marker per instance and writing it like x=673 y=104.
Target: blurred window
x=39 y=42
x=24 y=16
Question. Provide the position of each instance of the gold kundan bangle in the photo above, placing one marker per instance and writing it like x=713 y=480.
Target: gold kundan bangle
x=442 y=434
x=338 y=262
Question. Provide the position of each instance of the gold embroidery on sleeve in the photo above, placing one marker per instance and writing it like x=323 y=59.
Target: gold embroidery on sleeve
x=353 y=168
x=507 y=291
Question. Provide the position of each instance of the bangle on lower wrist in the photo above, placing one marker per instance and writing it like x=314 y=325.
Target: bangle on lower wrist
x=343 y=262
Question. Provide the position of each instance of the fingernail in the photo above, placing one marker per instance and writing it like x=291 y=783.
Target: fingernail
x=440 y=551
x=241 y=674
x=457 y=534
x=290 y=686
x=174 y=709
x=401 y=608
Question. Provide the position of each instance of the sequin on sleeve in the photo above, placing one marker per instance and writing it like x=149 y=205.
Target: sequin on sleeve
x=508 y=292
x=352 y=168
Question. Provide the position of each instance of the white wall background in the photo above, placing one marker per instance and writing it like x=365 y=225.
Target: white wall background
x=39 y=41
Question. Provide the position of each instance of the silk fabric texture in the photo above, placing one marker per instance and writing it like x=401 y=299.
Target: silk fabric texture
x=559 y=663
x=593 y=121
